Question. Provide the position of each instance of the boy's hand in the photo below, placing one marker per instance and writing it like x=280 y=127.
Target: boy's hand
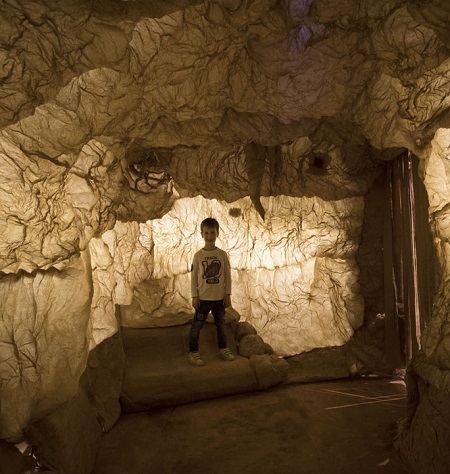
x=227 y=301
x=195 y=302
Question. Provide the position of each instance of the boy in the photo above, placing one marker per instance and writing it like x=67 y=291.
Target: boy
x=211 y=291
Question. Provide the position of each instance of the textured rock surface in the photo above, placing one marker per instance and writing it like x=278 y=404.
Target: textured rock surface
x=158 y=374
x=436 y=172
x=320 y=364
x=111 y=111
x=252 y=344
x=66 y=440
x=44 y=341
x=102 y=380
x=269 y=369
x=429 y=379
x=424 y=433
x=291 y=273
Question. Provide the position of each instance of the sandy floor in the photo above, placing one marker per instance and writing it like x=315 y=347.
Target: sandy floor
x=343 y=427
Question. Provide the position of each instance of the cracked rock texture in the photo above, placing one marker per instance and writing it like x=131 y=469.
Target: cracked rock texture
x=116 y=114
x=43 y=346
x=294 y=275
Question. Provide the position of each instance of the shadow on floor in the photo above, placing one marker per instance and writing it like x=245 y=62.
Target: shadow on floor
x=340 y=427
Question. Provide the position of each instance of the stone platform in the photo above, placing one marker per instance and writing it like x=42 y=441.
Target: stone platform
x=157 y=372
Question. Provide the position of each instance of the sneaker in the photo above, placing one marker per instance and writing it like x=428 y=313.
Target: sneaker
x=195 y=359
x=227 y=354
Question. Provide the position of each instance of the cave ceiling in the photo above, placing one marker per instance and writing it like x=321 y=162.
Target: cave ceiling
x=111 y=109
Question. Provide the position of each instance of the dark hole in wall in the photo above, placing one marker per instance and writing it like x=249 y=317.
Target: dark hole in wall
x=318 y=164
x=235 y=212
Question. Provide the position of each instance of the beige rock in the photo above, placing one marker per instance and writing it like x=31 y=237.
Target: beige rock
x=55 y=443
x=251 y=344
x=102 y=322
x=67 y=439
x=131 y=248
x=243 y=329
x=270 y=370
x=328 y=363
x=57 y=210
x=103 y=378
x=44 y=345
x=436 y=170
x=297 y=266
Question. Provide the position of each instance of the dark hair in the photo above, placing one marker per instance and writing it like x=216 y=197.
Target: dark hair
x=209 y=222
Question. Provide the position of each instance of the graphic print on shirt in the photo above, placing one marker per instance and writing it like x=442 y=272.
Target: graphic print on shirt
x=211 y=270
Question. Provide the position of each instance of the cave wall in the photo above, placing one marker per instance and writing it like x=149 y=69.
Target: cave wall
x=295 y=278
x=424 y=432
x=39 y=346
x=436 y=175
x=125 y=107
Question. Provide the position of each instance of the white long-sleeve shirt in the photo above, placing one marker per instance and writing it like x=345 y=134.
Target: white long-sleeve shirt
x=211 y=275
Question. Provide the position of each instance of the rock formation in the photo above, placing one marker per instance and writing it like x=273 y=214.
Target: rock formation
x=123 y=123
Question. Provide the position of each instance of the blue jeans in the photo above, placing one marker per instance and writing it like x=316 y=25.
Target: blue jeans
x=218 y=312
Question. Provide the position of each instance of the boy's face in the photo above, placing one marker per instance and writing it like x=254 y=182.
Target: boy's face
x=210 y=234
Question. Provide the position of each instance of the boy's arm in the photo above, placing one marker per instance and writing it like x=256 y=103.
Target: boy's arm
x=194 y=280
x=195 y=302
x=194 y=277
x=227 y=301
x=227 y=297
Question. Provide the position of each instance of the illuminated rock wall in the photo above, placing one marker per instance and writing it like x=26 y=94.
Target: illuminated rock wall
x=436 y=171
x=294 y=275
x=45 y=320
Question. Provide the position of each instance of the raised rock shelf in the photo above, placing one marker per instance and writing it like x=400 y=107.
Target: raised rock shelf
x=158 y=374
